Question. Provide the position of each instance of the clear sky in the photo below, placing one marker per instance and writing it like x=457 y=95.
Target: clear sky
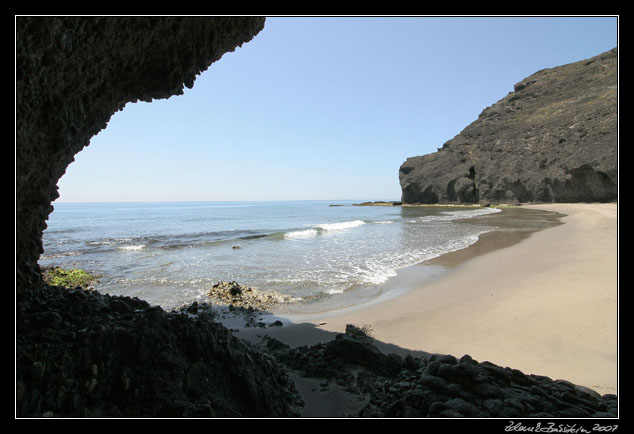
x=323 y=107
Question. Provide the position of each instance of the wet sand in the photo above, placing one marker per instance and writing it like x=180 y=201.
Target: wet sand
x=544 y=302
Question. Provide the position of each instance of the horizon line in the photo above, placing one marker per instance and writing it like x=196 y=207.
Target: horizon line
x=216 y=201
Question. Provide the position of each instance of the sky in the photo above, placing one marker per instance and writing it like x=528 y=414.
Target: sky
x=323 y=108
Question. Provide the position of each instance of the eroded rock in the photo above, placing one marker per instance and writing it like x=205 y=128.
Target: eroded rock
x=553 y=139
x=437 y=386
x=85 y=354
x=234 y=294
x=72 y=75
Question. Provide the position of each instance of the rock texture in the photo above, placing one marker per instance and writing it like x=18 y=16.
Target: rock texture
x=553 y=139
x=240 y=296
x=74 y=73
x=440 y=386
x=82 y=353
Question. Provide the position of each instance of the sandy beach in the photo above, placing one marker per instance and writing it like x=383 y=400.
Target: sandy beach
x=546 y=304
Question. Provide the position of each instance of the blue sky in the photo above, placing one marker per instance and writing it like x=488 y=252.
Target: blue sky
x=323 y=107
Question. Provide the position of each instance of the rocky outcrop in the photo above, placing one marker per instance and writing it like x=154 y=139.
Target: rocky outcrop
x=240 y=296
x=81 y=353
x=84 y=354
x=553 y=139
x=439 y=386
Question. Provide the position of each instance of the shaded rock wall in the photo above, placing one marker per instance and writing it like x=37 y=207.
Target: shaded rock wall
x=553 y=139
x=74 y=73
x=81 y=353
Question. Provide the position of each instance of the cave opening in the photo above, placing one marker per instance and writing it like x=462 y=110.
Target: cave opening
x=74 y=73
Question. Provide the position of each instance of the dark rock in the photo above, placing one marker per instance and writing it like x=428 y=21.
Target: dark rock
x=502 y=376
x=275 y=344
x=441 y=386
x=463 y=407
x=410 y=363
x=139 y=364
x=47 y=319
x=445 y=358
x=493 y=406
x=120 y=306
x=554 y=139
x=462 y=373
x=450 y=413
x=485 y=389
x=433 y=382
x=601 y=414
x=73 y=73
x=436 y=408
x=356 y=348
x=86 y=354
x=432 y=368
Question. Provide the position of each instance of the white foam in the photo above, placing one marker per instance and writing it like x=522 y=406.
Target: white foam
x=380 y=276
x=110 y=241
x=60 y=255
x=379 y=269
x=307 y=233
x=132 y=247
x=455 y=215
x=339 y=226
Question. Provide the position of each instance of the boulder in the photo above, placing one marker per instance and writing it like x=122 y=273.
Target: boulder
x=236 y=295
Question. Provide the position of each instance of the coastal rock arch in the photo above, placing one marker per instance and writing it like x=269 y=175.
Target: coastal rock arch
x=81 y=353
x=74 y=73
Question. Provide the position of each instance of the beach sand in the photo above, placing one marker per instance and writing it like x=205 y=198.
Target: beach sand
x=545 y=304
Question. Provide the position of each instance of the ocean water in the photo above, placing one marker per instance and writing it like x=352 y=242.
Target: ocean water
x=170 y=254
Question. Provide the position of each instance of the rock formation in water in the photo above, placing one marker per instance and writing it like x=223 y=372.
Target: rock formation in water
x=553 y=139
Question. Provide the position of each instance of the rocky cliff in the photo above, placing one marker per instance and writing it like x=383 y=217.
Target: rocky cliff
x=81 y=353
x=553 y=139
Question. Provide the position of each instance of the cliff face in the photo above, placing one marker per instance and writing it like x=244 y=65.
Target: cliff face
x=74 y=73
x=81 y=353
x=553 y=139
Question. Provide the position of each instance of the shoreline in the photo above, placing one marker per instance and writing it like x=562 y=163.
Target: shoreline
x=542 y=301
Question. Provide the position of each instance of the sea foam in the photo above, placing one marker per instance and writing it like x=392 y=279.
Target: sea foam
x=307 y=233
x=323 y=227
x=339 y=226
x=456 y=215
x=133 y=247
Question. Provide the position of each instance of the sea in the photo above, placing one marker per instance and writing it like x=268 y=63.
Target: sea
x=330 y=254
